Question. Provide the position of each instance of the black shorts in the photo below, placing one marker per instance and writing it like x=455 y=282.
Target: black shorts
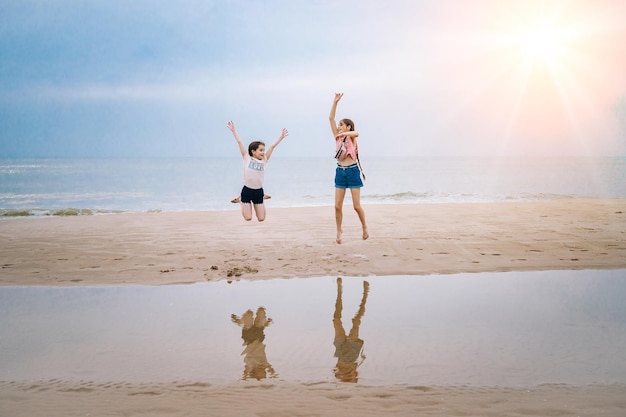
x=252 y=195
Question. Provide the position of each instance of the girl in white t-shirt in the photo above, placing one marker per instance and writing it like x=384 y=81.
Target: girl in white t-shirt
x=254 y=160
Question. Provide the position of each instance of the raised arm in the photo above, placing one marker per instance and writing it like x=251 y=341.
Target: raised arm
x=242 y=147
x=333 y=110
x=270 y=150
x=349 y=133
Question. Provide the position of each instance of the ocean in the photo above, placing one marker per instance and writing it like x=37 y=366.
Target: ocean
x=43 y=187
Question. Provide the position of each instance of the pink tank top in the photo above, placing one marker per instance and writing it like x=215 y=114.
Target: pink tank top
x=350 y=146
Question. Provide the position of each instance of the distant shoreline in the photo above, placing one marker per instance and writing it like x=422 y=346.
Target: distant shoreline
x=367 y=200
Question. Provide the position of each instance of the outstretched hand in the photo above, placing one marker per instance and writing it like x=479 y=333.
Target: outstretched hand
x=231 y=126
x=284 y=133
x=338 y=97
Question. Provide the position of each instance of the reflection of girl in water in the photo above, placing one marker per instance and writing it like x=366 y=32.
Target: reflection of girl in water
x=253 y=334
x=348 y=348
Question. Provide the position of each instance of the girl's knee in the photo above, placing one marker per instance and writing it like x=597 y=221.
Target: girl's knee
x=259 y=210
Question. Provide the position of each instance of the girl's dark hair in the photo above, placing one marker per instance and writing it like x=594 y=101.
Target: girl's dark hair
x=348 y=123
x=254 y=146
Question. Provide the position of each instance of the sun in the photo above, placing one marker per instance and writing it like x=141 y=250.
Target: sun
x=543 y=43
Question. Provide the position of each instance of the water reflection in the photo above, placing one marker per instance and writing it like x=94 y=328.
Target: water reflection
x=348 y=348
x=255 y=360
x=518 y=329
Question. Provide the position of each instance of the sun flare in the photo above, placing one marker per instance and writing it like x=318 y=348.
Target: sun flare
x=546 y=74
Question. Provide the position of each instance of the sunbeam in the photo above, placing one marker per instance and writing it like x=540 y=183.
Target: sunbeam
x=554 y=91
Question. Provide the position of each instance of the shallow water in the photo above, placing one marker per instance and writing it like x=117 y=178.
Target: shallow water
x=489 y=329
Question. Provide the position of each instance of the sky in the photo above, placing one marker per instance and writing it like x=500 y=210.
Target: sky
x=118 y=78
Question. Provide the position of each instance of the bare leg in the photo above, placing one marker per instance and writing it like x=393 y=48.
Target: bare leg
x=247 y=320
x=340 y=194
x=356 y=321
x=340 y=333
x=261 y=319
x=246 y=211
x=259 y=209
x=356 y=203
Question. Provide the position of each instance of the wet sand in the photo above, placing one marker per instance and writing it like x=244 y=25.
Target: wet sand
x=176 y=248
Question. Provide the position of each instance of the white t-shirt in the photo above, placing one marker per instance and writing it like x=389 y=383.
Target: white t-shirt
x=253 y=172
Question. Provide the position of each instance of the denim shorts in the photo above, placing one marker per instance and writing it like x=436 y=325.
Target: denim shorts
x=348 y=176
x=251 y=195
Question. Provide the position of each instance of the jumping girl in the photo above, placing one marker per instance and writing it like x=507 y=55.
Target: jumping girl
x=348 y=171
x=254 y=160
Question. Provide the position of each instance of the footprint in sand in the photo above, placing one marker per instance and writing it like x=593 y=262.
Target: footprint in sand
x=237 y=272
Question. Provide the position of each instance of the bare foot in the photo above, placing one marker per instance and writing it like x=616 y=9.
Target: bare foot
x=365 y=234
x=338 y=240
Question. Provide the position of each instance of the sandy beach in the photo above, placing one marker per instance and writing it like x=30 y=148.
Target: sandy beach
x=186 y=247
x=190 y=247
x=287 y=400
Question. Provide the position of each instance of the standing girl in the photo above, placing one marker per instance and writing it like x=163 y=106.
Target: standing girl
x=254 y=160
x=348 y=171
